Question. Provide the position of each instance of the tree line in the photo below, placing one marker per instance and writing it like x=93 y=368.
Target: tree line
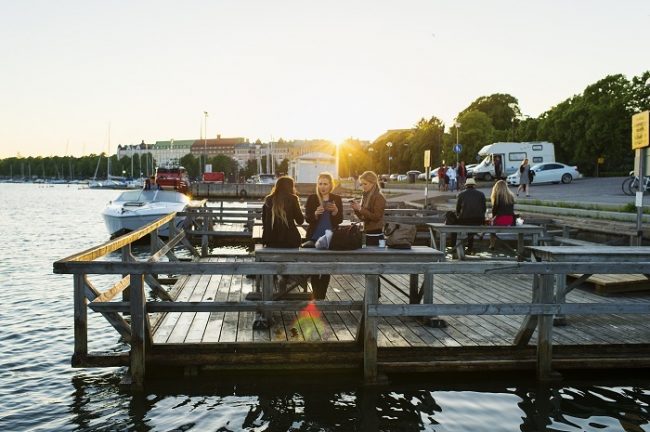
x=586 y=128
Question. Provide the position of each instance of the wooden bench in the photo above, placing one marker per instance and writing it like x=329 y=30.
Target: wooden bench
x=462 y=231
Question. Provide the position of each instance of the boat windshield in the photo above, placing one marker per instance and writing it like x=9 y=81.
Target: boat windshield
x=153 y=195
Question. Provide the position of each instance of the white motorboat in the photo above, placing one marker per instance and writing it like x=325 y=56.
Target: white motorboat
x=134 y=209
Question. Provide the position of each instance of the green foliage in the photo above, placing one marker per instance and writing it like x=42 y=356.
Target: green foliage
x=501 y=109
x=476 y=130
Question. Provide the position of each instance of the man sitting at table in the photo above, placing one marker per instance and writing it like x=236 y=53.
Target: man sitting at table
x=470 y=210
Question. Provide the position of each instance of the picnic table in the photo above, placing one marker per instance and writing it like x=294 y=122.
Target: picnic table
x=600 y=253
x=534 y=231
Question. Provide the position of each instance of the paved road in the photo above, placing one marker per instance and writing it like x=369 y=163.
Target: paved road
x=605 y=190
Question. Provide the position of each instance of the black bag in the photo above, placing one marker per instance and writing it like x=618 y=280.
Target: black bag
x=531 y=176
x=451 y=218
x=346 y=237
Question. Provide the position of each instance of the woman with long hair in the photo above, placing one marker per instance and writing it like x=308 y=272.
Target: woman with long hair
x=280 y=214
x=371 y=208
x=323 y=211
x=503 y=208
x=524 y=180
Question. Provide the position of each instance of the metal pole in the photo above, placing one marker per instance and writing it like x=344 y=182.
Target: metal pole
x=641 y=155
x=205 y=140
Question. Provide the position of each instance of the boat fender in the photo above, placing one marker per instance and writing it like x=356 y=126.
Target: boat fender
x=243 y=193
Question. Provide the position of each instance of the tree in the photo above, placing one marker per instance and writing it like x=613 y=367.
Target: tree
x=475 y=131
x=502 y=109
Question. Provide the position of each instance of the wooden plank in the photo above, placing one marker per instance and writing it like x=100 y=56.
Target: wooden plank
x=616 y=283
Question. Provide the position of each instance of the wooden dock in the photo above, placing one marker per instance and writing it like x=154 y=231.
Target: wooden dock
x=499 y=315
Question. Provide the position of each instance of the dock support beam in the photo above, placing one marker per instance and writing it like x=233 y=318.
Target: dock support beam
x=545 y=331
x=370 y=331
x=80 y=318
x=138 y=327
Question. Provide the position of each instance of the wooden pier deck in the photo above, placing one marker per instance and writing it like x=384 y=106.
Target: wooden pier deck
x=462 y=331
x=498 y=315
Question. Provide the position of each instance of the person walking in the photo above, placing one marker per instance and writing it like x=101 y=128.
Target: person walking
x=503 y=208
x=524 y=178
x=371 y=209
x=451 y=175
x=498 y=167
x=461 y=175
x=323 y=211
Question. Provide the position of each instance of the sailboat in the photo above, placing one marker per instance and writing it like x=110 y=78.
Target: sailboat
x=111 y=182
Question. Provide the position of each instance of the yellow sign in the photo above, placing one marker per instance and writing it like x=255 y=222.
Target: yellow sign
x=601 y=160
x=427 y=158
x=640 y=130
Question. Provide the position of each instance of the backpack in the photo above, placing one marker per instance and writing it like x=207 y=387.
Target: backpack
x=399 y=236
x=451 y=218
x=347 y=237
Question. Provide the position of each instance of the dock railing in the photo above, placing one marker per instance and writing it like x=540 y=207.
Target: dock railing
x=136 y=274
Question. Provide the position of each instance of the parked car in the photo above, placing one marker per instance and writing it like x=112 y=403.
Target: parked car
x=549 y=172
x=402 y=177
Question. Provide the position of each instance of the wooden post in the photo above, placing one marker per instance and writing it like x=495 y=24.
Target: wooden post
x=370 y=331
x=126 y=257
x=80 y=318
x=545 y=331
x=138 y=327
x=413 y=289
x=204 y=237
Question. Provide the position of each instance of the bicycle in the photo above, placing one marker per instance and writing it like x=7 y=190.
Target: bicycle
x=631 y=184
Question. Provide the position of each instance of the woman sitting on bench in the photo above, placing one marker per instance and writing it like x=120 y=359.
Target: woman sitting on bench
x=503 y=208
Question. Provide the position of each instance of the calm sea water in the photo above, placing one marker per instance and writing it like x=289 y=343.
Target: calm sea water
x=40 y=391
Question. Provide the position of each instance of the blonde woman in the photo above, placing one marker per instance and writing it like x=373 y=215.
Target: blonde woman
x=371 y=208
x=323 y=211
x=503 y=208
x=280 y=214
x=524 y=179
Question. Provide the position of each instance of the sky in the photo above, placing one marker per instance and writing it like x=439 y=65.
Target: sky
x=81 y=77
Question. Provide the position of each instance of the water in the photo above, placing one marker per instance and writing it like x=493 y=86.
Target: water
x=40 y=391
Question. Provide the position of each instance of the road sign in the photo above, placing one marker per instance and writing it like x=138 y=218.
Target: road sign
x=458 y=148
x=640 y=130
x=427 y=158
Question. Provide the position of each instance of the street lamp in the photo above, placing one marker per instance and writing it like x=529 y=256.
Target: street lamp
x=389 y=145
x=457 y=125
x=205 y=139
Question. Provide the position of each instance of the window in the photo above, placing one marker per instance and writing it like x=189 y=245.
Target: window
x=538 y=159
x=538 y=147
x=517 y=157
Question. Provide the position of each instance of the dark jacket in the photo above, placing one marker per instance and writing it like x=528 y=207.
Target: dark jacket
x=311 y=217
x=278 y=234
x=470 y=206
x=372 y=214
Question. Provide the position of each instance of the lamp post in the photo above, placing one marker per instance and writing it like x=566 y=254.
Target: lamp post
x=457 y=125
x=205 y=139
x=389 y=145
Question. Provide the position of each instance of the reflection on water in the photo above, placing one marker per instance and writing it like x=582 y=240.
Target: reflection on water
x=308 y=403
x=40 y=391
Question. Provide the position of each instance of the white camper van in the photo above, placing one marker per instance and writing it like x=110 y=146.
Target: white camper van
x=511 y=154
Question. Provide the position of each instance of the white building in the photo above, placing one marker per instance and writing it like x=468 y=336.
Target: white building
x=305 y=169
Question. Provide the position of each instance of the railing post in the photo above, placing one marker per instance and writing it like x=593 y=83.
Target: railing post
x=80 y=318
x=545 y=331
x=204 y=238
x=370 y=331
x=138 y=327
x=126 y=257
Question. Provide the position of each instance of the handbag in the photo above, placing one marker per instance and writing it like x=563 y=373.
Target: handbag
x=347 y=237
x=399 y=236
